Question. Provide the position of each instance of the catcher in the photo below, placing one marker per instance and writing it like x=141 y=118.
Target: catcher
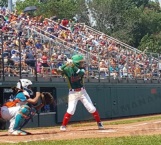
x=20 y=110
x=74 y=72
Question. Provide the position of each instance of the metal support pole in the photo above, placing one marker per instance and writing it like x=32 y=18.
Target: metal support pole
x=20 y=54
x=2 y=57
x=35 y=51
x=10 y=5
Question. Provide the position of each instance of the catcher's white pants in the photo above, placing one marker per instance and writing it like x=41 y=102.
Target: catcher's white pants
x=9 y=115
x=82 y=95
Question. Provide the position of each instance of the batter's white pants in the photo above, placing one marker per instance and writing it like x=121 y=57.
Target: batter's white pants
x=73 y=99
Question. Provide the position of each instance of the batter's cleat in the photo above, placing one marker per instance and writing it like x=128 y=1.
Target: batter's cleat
x=17 y=133
x=63 y=128
x=100 y=126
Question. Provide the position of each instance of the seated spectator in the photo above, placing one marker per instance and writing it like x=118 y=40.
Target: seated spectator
x=125 y=71
x=130 y=72
x=39 y=66
x=10 y=71
x=30 y=60
x=93 y=68
x=155 y=71
x=46 y=46
x=16 y=59
x=65 y=22
x=63 y=35
x=61 y=57
x=137 y=71
x=114 y=70
x=38 y=44
x=103 y=67
x=53 y=60
x=45 y=63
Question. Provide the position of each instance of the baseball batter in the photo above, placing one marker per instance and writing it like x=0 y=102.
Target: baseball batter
x=74 y=72
x=19 y=111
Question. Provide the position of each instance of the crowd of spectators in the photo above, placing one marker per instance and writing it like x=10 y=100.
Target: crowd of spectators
x=44 y=44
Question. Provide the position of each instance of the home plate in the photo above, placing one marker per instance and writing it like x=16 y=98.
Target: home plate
x=110 y=130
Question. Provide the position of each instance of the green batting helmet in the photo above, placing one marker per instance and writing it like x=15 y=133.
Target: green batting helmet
x=77 y=59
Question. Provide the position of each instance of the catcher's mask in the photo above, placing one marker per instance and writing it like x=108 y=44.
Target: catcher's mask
x=25 y=84
x=78 y=60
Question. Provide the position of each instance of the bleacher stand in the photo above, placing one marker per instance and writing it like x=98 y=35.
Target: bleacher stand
x=46 y=45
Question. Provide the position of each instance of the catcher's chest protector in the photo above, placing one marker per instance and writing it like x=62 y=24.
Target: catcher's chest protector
x=13 y=103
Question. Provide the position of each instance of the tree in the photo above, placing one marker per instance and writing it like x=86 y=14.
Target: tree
x=20 y=5
x=127 y=20
x=82 y=12
x=3 y=3
x=48 y=8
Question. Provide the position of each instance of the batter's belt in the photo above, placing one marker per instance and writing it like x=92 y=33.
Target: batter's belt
x=77 y=89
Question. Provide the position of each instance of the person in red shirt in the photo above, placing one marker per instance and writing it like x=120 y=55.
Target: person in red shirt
x=65 y=22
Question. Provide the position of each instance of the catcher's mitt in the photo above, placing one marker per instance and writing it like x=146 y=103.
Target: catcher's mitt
x=46 y=98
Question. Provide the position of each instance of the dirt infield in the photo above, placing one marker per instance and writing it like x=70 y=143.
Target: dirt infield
x=86 y=130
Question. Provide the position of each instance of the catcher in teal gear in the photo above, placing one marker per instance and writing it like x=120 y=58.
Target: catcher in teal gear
x=22 y=108
x=74 y=72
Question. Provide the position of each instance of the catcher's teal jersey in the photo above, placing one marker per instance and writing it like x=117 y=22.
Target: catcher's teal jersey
x=74 y=76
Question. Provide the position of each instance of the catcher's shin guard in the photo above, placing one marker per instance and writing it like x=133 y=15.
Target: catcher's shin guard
x=22 y=115
x=30 y=117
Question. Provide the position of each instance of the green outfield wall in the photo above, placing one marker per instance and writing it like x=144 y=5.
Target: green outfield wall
x=112 y=100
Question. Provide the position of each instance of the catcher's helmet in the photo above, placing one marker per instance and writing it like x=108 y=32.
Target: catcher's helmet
x=77 y=59
x=24 y=83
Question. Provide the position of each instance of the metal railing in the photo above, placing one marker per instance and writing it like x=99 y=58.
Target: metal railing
x=94 y=70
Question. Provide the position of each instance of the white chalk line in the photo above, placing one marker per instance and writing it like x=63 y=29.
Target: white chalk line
x=157 y=122
x=4 y=141
x=107 y=131
x=30 y=140
x=132 y=126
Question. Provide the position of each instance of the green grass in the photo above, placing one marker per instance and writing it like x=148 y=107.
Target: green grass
x=134 y=120
x=132 y=140
x=120 y=121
